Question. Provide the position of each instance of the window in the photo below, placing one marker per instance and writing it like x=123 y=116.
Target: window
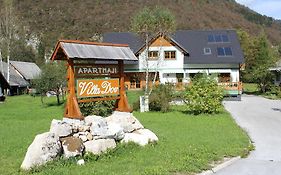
x=170 y=55
x=218 y=38
x=207 y=51
x=224 y=51
x=134 y=83
x=224 y=77
x=179 y=77
x=153 y=55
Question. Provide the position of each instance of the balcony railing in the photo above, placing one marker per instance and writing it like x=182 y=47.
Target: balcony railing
x=227 y=86
x=231 y=85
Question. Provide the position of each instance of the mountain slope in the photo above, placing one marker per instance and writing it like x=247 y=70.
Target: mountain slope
x=71 y=19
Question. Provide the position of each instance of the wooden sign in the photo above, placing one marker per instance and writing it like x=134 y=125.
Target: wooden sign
x=96 y=70
x=97 y=87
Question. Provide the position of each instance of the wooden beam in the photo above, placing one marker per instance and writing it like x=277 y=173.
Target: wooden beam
x=72 y=109
x=98 y=99
x=122 y=103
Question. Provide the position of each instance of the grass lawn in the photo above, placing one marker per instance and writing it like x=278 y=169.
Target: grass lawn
x=252 y=88
x=187 y=143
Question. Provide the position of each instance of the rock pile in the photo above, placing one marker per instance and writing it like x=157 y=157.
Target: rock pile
x=95 y=134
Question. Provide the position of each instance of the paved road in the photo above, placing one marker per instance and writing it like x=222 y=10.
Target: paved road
x=261 y=118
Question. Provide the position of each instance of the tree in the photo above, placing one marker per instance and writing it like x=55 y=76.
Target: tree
x=264 y=59
x=259 y=57
x=8 y=29
x=248 y=47
x=148 y=23
x=204 y=95
x=52 y=78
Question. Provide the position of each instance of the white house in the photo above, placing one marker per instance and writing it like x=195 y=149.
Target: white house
x=178 y=57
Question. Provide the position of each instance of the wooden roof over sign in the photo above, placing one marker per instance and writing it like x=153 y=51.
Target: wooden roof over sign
x=79 y=50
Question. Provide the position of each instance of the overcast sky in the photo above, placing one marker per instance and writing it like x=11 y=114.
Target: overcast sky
x=270 y=8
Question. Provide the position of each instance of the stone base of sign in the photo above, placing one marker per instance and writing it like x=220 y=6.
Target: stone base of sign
x=95 y=134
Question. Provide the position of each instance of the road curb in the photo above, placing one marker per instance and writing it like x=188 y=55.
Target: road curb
x=220 y=166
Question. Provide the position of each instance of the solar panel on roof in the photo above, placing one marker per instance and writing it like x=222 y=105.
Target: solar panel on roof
x=211 y=38
x=228 y=51
x=220 y=51
x=225 y=38
x=218 y=38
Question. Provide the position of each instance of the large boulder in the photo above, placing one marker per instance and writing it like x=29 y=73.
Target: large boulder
x=99 y=128
x=99 y=146
x=135 y=138
x=45 y=147
x=60 y=128
x=126 y=120
x=147 y=133
x=73 y=121
x=91 y=119
x=115 y=131
x=72 y=146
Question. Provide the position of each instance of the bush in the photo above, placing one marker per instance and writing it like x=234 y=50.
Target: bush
x=136 y=105
x=101 y=108
x=203 y=95
x=160 y=98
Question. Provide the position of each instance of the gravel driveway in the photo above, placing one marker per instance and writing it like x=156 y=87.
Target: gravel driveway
x=261 y=118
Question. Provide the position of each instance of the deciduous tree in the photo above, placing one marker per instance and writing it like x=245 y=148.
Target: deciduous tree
x=52 y=78
x=151 y=22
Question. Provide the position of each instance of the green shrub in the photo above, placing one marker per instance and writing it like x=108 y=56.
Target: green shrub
x=101 y=108
x=160 y=98
x=203 y=95
x=136 y=105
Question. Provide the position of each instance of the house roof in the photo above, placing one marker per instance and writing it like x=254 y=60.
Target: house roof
x=27 y=69
x=133 y=40
x=69 y=49
x=3 y=82
x=193 y=42
x=15 y=78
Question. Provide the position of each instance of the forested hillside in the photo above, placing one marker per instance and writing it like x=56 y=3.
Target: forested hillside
x=43 y=22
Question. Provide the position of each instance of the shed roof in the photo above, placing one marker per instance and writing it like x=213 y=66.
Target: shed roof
x=27 y=69
x=69 y=49
x=15 y=78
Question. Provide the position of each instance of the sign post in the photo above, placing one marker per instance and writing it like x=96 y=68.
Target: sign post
x=88 y=81
x=93 y=82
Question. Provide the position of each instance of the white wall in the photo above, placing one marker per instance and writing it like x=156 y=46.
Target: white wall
x=162 y=64
x=168 y=78
x=171 y=67
x=167 y=68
